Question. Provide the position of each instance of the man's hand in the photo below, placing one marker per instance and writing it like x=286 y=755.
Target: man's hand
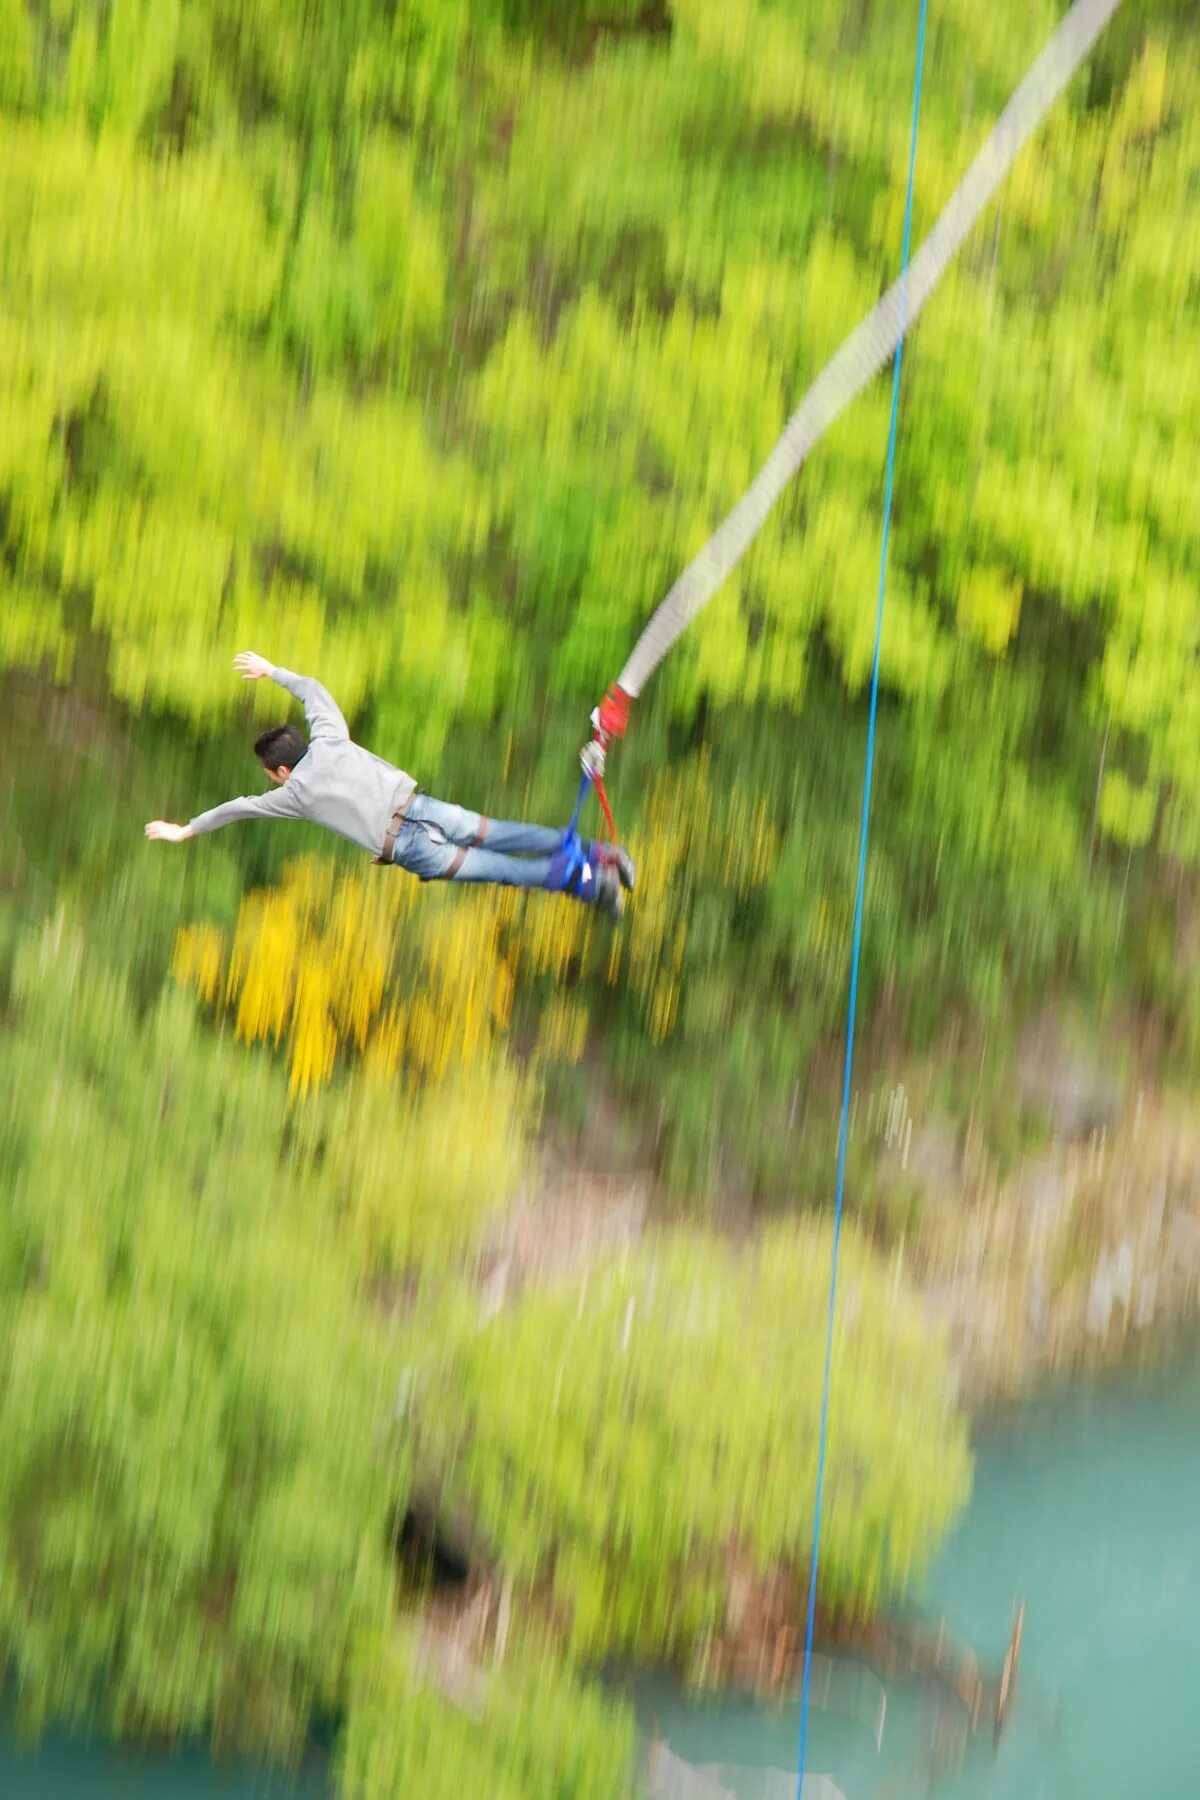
x=252 y=667
x=163 y=832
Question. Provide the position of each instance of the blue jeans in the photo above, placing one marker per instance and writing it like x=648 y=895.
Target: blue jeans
x=447 y=843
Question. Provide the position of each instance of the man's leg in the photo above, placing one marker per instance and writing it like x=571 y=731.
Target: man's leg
x=512 y=837
x=423 y=849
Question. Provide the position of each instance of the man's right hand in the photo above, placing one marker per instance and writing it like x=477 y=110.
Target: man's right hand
x=252 y=667
x=161 y=831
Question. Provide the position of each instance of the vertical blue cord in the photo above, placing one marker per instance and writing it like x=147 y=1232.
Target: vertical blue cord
x=858 y=917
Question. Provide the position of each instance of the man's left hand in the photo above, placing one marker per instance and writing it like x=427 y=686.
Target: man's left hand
x=252 y=667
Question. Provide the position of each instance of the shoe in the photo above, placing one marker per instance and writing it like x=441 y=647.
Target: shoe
x=615 y=856
x=626 y=867
x=609 y=896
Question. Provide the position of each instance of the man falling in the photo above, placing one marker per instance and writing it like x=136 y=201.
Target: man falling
x=335 y=783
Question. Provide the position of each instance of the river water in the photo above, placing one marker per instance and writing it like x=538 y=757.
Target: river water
x=1087 y=1504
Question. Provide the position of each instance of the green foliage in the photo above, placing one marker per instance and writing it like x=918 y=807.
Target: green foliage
x=351 y=301
x=457 y=382
x=415 y=1180
x=539 y=1734
x=1126 y=812
x=422 y=346
x=16 y=54
x=430 y=345
x=621 y=1440
x=192 y=1474
x=197 y=1406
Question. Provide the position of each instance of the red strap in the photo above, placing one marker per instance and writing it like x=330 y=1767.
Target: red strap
x=598 y=784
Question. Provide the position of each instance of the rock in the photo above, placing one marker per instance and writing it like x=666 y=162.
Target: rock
x=1066 y=1082
x=927 y=1159
x=935 y=1158
x=1100 y=1302
x=1112 y=1288
x=1045 y=1190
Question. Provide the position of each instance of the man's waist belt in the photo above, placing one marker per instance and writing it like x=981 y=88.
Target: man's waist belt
x=389 y=842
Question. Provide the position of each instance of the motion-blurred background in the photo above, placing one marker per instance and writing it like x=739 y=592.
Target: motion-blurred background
x=412 y=1301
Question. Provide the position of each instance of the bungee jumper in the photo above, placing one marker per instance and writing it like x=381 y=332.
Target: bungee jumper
x=335 y=783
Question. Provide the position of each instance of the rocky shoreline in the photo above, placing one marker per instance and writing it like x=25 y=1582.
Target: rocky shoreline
x=1083 y=1255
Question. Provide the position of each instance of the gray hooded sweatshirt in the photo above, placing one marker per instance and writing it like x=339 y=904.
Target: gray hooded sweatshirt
x=336 y=783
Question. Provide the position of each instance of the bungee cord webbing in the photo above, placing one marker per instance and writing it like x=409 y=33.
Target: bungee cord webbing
x=867 y=350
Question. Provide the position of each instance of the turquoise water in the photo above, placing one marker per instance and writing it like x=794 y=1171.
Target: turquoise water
x=1088 y=1505
x=62 y=1770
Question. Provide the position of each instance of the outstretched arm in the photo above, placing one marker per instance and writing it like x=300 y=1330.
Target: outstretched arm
x=324 y=721
x=279 y=805
x=320 y=708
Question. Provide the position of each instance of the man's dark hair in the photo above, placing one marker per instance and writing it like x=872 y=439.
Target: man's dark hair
x=280 y=748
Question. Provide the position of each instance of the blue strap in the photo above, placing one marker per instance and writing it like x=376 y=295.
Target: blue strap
x=575 y=864
x=572 y=844
x=573 y=827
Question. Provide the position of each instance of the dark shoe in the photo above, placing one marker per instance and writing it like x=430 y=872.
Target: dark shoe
x=626 y=867
x=615 y=856
x=608 y=895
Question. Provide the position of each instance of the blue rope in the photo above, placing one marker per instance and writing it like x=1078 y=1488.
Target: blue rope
x=858 y=918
